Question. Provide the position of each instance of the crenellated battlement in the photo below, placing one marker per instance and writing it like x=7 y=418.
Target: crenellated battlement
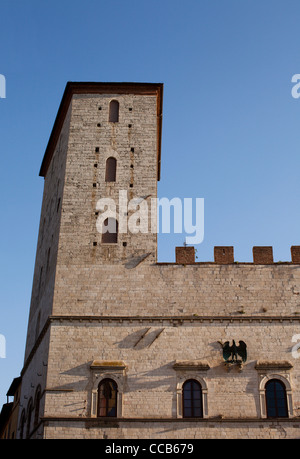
x=224 y=255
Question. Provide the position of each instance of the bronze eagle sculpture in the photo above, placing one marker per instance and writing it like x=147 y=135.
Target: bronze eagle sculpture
x=234 y=351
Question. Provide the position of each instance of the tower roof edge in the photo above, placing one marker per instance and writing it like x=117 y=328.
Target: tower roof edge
x=101 y=88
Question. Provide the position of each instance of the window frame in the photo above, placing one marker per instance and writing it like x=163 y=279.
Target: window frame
x=191 y=369
x=286 y=380
x=106 y=369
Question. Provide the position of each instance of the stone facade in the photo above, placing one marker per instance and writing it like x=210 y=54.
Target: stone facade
x=108 y=310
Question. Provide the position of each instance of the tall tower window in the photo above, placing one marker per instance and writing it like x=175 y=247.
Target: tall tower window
x=114 y=111
x=276 y=399
x=111 y=169
x=22 y=424
x=38 y=395
x=110 y=231
x=29 y=414
x=192 y=399
x=107 y=398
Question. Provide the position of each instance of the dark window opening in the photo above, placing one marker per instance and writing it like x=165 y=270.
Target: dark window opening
x=48 y=259
x=114 y=111
x=40 y=280
x=110 y=231
x=29 y=415
x=37 y=405
x=276 y=400
x=192 y=399
x=107 y=398
x=111 y=169
x=37 y=325
x=22 y=424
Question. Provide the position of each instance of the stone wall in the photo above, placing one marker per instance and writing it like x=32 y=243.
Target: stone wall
x=172 y=289
x=47 y=244
x=150 y=359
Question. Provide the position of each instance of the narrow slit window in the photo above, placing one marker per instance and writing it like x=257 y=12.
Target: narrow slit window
x=110 y=231
x=22 y=424
x=111 y=169
x=37 y=326
x=48 y=259
x=29 y=416
x=40 y=280
x=38 y=395
x=114 y=111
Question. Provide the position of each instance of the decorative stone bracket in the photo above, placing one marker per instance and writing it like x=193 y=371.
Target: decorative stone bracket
x=230 y=364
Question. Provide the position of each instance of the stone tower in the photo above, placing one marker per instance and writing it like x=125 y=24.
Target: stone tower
x=105 y=143
x=120 y=346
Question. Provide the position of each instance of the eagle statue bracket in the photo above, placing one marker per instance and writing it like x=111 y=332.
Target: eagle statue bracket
x=234 y=355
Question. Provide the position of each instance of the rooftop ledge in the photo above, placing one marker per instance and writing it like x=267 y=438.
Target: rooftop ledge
x=110 y=420
x=73 y=88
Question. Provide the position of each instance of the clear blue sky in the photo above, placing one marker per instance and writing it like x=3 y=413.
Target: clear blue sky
x=231 y=129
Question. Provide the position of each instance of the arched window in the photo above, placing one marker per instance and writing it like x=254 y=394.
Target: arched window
x=110 y=231
x=114 y=111
x=22 y=424
x=37 y=405
x=29 y=415
x=276 y=400
x=192 y=399
x=107 y=398
x=110 y=170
